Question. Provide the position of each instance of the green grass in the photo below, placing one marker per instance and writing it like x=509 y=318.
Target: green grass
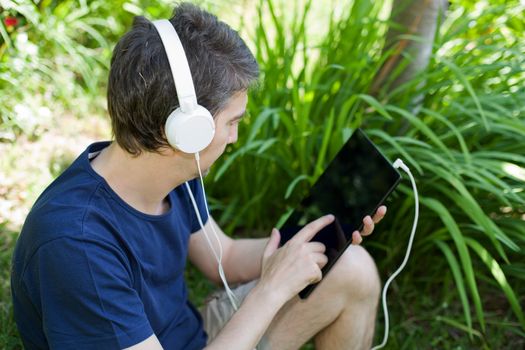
x=9 y=338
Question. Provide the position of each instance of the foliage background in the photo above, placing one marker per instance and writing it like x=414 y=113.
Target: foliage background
x=459 y=125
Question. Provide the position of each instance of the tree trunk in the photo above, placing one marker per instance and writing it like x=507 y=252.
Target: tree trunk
x=414 y=18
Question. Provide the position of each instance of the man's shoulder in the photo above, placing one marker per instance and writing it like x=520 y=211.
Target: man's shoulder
x=59 y=213
x=61 y=209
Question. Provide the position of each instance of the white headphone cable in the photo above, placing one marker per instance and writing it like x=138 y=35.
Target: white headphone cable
x=231 y=296
x=399 y=164
x=229 y=292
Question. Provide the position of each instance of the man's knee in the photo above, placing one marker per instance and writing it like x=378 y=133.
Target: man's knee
x=355 y=274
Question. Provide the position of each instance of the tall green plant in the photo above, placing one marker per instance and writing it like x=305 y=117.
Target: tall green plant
x=302 y=111
x=465 y=144
x=56 y=59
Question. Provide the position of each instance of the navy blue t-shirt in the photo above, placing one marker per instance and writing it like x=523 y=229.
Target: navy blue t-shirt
x=91 y=272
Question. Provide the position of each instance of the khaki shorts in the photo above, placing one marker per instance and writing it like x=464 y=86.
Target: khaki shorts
x=217 y=311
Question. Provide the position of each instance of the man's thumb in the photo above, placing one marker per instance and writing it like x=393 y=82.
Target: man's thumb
x=273 y=243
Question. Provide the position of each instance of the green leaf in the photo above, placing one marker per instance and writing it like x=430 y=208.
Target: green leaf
x=468 y=86
x=291 y=186
x=377 y=106
x=464 y=256
x=460 y=284
x=499 y=276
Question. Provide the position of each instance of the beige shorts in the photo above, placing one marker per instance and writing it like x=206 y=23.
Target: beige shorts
x=217 y=311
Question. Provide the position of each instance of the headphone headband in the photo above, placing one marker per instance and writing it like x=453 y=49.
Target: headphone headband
x=189 y=128
x=180 y=69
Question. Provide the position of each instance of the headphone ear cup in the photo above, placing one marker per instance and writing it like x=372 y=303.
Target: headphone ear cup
x=190 y=132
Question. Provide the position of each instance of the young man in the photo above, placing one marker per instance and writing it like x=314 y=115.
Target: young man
x=100 y=260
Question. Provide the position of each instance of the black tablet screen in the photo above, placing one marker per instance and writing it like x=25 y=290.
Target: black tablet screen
x=354 y=185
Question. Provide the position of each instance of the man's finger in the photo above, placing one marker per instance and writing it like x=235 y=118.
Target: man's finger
x=309 y=231
x=368 y=227
x=379 y=214
x=317 y=247
x=356 y=238
x=273 y=243
x=321 y=260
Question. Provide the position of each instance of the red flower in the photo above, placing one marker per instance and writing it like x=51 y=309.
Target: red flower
x=10 y=21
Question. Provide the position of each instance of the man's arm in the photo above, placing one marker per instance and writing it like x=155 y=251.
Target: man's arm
x=282 y=274
x=241 y=257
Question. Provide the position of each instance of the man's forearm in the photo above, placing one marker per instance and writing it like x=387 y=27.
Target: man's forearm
x=249 y=323
x=243 y=262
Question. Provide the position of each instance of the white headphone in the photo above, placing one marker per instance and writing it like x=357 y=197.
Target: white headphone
x=190 y=128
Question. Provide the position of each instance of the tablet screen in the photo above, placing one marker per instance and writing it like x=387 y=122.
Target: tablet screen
x=354 y=185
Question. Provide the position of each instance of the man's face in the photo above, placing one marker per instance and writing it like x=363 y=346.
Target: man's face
x=226 y=128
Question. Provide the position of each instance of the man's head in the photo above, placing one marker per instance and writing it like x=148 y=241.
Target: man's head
x=141 y=91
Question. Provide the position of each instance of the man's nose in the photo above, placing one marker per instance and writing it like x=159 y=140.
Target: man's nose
x=233 y=137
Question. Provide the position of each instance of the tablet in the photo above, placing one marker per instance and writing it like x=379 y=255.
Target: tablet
x=355 y=183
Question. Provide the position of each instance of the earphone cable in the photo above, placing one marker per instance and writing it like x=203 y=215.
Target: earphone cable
x=218 y=256
x=197 y=158
x=399 y=164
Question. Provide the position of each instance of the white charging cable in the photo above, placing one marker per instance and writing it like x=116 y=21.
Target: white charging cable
x=399 y=164
x=218 y=256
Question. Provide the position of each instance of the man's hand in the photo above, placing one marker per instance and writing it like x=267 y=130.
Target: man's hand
x=287 y=270
x=368 y=226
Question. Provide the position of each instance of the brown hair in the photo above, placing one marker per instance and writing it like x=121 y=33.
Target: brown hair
x=141 y=90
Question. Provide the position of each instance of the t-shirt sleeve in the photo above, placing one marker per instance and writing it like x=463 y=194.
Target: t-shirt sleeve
x=196 y=189
x=85 y=290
